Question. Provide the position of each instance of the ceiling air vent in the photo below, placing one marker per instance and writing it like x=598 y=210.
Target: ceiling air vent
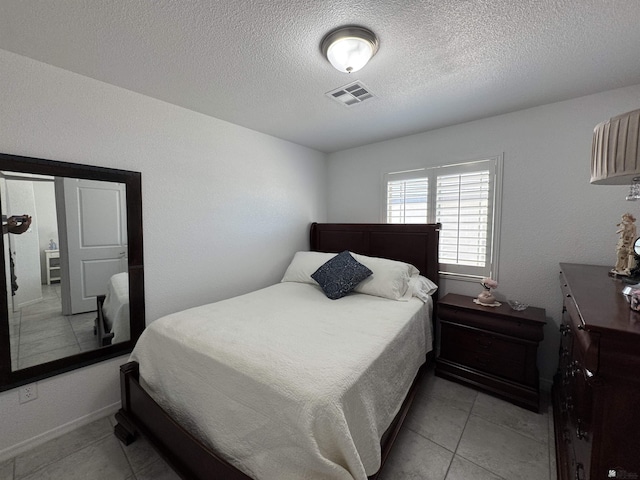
x=351 y=94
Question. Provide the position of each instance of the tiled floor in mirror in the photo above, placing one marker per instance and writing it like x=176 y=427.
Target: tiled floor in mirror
x=451 y=433
x=40 y=333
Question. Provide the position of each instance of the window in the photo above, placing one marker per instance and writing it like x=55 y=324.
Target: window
x=407 y=198
x=464 y=199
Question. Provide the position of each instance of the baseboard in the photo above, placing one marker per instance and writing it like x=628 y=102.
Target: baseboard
x=56 y=432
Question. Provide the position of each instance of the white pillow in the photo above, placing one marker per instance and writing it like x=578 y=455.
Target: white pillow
x=304 y=264
x=390 y=278
x=421 y=287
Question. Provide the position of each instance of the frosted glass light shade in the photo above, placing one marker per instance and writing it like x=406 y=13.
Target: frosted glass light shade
x=615 y=158
x=349 y=54
x=349 y=48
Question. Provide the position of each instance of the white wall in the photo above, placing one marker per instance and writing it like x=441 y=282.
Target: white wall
x=550 y=212
x=224 y=208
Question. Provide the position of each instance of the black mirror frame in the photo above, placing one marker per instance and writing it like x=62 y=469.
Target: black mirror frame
x=133 y=180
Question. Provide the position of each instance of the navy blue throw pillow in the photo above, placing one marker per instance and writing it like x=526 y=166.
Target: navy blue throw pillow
x=340 y=275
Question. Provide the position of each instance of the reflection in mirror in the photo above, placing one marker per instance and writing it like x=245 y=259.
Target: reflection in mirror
x=77 y=256
x=66 y=260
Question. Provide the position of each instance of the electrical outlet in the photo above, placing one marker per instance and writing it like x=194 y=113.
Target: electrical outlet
x=28 y=392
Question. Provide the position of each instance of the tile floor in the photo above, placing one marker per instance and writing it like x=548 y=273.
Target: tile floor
x=40 y=333
x=452 y=433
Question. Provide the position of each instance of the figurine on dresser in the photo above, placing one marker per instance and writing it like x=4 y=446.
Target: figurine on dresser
x=485 y=297
x=625 y=255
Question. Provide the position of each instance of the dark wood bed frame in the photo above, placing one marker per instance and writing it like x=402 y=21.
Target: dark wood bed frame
x=100 y=328
x=140 y=414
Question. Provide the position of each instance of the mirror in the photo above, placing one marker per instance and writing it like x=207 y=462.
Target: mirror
x=72 y=262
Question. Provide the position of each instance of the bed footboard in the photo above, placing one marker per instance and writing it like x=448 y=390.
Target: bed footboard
x=140 y=414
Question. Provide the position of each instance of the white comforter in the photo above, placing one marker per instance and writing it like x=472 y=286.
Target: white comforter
x=284 y=383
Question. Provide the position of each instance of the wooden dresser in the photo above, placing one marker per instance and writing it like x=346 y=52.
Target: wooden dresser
x=494 y=349
x=596 y=391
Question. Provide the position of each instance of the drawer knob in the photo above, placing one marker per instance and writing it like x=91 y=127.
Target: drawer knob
x=565 y=330
x=574 y=368
x=580 y=433
x=567 y=405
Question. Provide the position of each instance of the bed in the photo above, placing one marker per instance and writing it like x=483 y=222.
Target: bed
x=340 y=416
x=112 y=322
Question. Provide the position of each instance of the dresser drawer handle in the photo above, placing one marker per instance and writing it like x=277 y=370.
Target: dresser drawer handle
x=580 y=472
x=565 y=330
x=576 y=368
x=581 y=434
x=485 y=343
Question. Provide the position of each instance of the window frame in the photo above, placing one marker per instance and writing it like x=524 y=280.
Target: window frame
x=495 y=166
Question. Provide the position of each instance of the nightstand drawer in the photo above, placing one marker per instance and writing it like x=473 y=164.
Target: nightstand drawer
x=494 y=320
x=483 y=351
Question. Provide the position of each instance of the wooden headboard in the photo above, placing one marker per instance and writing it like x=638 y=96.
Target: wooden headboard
x=414 y=244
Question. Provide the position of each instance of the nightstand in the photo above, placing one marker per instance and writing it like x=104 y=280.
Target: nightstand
x=52 y=263
x=493 y=349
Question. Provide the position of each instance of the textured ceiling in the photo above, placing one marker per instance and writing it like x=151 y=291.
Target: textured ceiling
x=257 y=63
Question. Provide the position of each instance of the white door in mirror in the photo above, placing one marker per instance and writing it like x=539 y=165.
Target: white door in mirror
x=96 y=236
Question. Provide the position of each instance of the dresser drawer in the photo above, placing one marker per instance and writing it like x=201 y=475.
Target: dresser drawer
x=484 y=351
x=582 y=453
x=585 y=347
x=564 y=287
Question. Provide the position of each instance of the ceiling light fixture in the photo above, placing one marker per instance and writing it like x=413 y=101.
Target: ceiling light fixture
x=349 y=48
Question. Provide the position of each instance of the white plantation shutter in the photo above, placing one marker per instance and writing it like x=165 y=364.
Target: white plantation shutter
x=407 y=198
x=463 y=206
x=462 y=200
